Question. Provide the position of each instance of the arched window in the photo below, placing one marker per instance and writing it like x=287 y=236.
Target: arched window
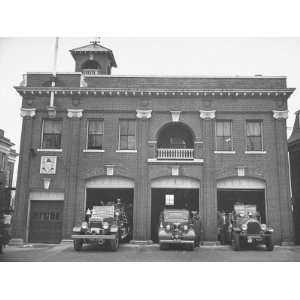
x=175 y=136
x=91 y=64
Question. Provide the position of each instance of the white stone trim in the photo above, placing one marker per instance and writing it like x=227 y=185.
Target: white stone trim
x=126 y=151
x=175 y=115
x=143 y=114
x=224 y=152
x=152 y=142
x=280 y=114
x=4 y=149
x=162 y=92
x=109 y=170
x=75 y=113
x=93 y=150
x=47 y=196
x=175 y=171
x=175 y=182
x=255 y=152
x=109 y=182
x=161 y=161
x=49 y=150
x=207 y=114
x=28 y=112
x=241 y=183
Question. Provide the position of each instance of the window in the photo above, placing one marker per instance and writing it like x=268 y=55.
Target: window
x=127 y=135
x=2 y=161
x=177 y=143
x=52 y=134
x=254 y=135
x=223 y=136
x=95 y=134
x=169 y=200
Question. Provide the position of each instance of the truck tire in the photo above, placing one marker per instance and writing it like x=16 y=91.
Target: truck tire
x=77 y=245
x=269 y=244
x=222 y=238
x=114 y=244
x=236 y=245
x=191 y=247
x=1 y=247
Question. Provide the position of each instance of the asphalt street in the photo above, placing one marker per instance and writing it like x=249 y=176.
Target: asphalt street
x=145 y=253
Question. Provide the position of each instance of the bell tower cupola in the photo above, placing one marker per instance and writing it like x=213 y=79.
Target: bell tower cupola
x=93 y=59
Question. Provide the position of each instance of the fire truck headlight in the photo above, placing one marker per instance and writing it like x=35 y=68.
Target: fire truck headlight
x=84 y=225
x=105 y=225
x=263 y=227
x=114 y=228
x=244 y=226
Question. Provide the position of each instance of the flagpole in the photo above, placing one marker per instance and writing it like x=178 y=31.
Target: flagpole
x=54 y=71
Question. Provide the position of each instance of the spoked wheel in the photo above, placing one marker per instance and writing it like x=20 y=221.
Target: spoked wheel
x=236 y=245
x=114 y=244
x=77 y=245
x=269 y=244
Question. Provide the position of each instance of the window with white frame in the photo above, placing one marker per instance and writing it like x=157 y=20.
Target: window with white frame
x=52 y=131
x=95 y=134
x=224 y=135
x=127 y=135
x=169 y=200
x=254 y=135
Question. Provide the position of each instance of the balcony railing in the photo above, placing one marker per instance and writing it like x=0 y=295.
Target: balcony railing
x=90 y=71
x=176 y=154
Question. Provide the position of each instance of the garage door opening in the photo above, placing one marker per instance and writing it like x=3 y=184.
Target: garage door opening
x=227 y=198
x=171 y=198
x=107 y=196
x=46 y=221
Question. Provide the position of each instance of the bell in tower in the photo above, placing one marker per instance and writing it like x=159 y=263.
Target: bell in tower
x=93 y=59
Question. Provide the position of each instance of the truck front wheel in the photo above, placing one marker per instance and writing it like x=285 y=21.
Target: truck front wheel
x=236 y=245
x=114 y=244
x=269 y=244
x=77 y=245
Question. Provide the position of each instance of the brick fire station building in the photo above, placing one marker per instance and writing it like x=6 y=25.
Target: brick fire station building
x=202 y=143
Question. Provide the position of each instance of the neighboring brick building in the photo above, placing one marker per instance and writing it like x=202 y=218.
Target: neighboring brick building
x=7 y=163
x=197 y=142
x=294 y=151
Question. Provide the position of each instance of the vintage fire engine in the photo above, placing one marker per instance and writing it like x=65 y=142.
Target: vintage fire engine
x=104 y=225
x=243 y=227
x=179 y=226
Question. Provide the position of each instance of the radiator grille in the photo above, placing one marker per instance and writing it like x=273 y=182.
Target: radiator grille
x=253 y=228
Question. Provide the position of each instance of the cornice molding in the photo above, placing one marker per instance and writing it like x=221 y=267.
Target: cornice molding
x=154 y=93
x=143 y=114
x=75 y=113
x=28 y=112
x=280 y=114
x=207 y=114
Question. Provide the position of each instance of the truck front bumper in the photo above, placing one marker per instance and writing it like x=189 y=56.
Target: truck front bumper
x=95 y=237
x=176 y=241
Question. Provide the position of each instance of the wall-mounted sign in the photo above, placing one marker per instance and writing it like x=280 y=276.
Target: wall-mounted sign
x=48 y=165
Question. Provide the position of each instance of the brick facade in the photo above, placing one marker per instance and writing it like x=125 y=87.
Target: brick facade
x=112 y=98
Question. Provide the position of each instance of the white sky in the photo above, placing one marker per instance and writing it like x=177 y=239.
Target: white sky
x=149 y=56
